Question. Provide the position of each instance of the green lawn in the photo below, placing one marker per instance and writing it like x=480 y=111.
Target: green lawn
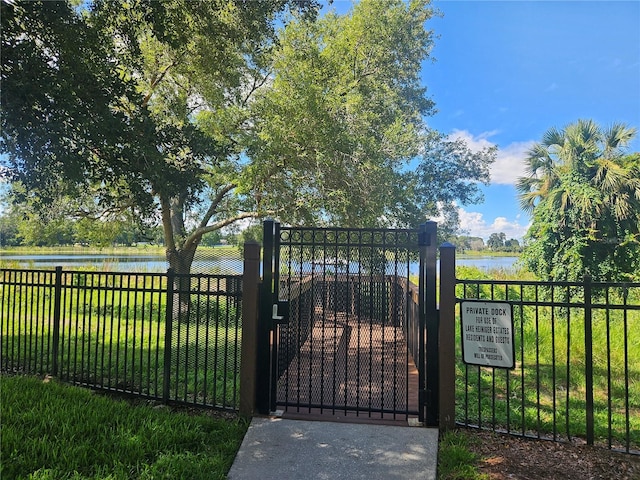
x=55 y=431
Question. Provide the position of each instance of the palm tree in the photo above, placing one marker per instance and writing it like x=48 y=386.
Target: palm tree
x=583 y=192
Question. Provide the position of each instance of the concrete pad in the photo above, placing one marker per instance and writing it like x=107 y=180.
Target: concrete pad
x=283 y=449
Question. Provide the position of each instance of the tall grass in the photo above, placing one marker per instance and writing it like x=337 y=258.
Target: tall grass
x=545 y=395
x=54 y=431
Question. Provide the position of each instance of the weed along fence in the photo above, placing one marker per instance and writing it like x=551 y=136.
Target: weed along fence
x=576 y=359
x=174 y=338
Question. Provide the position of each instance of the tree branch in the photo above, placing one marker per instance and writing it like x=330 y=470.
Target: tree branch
x=214 y=204
x=256 y=86
x=158 y=78
x=199 y=232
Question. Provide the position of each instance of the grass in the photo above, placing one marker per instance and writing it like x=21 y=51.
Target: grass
x=455 y=460
x=56 y=431
x=112 y=334
x=546 y=393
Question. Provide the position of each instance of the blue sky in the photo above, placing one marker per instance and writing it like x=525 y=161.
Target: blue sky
x=507 y=71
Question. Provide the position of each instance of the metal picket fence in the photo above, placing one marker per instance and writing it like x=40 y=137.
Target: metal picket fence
x=162 y=336
x=577 y=369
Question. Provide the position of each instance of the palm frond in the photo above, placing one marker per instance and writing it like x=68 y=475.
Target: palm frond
x=609 y=175
x=553 y=138
x=617 y=136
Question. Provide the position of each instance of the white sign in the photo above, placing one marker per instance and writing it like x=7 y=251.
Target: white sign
x=487 y=334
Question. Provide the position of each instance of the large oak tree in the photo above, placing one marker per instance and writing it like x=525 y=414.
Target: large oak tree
x=201 y=114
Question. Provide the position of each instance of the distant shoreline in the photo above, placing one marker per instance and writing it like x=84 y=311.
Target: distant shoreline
x=231 y=251
x=486 y=253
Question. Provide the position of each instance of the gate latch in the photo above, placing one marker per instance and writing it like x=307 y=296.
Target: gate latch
x=283 y=309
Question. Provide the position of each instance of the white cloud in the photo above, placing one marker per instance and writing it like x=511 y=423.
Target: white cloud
x=509 y=164
x=476 y=225
x=474 y=142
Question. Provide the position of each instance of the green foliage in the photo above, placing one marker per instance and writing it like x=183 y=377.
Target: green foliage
x=104 y=99
x=344 y=117
x=496 y=240
x=54 y=431
x=584 y=194
x=448 y=172
x=455 y=460
x=344 y=113
x=141 y=108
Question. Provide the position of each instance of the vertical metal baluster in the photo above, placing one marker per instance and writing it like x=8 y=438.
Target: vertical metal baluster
x=37 y=290
x=185 y=319
x=207 y=313
x=103 y=293
x=609 y=392
x=302 y=321
x=627 y=411
x=568 y=385
x=216 y=351
x=226 y=355
x=112 y=316
x=588 y=353
x=537 y=324
x=553 y=363
x=522 y=372
x=336 y=286
x=125 y=362
x=196 y=323
x=119 y=341
x=141 y=322
x=157 y=282
x=358 y=314
x=146 y=329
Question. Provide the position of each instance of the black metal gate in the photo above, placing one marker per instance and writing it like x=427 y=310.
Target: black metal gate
x=352 y=321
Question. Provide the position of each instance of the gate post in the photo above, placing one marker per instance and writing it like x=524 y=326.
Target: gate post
x=250 y=300
x=447 y=347
x=263 y=347
x=429 y=314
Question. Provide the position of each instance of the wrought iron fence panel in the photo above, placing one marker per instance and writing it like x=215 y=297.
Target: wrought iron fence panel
x=577 y=374
x=161 y=336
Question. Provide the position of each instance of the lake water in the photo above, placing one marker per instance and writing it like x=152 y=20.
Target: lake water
x=154 y=263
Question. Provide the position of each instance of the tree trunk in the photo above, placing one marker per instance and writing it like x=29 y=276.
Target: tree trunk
x=180 y=256
x=180 y=262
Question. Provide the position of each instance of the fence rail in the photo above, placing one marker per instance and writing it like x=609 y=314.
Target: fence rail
x=577 y=371
x=169 y=337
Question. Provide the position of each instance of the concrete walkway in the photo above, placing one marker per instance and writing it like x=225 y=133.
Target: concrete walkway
x=284 y=449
